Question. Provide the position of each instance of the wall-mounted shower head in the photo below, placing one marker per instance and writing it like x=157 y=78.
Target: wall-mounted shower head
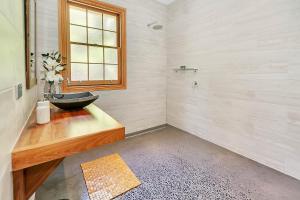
x=155 y=26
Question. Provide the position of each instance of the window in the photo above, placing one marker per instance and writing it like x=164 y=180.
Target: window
x=93 y=45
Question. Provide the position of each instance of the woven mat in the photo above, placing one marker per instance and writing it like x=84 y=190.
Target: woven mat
x=108 y=177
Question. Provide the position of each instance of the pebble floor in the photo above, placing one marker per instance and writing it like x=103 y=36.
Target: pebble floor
x=172 y=164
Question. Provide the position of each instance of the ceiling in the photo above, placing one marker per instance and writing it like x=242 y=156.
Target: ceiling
x=166 y=2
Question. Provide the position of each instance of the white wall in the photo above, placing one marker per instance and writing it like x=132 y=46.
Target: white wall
x=248 y=55
x=14 y=112
x=143 y=104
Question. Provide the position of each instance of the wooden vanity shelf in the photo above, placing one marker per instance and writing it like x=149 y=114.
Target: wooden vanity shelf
x=41 y=148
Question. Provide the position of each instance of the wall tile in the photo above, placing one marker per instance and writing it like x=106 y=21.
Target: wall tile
x=14 y=113
x=248 y=96
x=143 y=104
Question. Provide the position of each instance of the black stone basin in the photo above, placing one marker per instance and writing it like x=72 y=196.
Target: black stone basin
x=72 y=101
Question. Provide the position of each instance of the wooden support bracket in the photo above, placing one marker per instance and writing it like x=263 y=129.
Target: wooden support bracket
x=27 y=181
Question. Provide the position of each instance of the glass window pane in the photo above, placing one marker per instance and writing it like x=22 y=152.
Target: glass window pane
x=77 y=16
x=78 y=34
x=94 y=19
x=95 y=72
x=111 y=56
x=95 y=54
x=79 y=72
x=95 y=36
x=109 y=22
x=111 y=72
x=110 y=39
x=78 y=53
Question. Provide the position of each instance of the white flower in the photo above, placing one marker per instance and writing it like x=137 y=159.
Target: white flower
x=52 y=77
x=59 y=68
x=52 y=67
x=51 y=63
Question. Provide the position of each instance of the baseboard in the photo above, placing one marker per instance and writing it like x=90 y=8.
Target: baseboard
x=149 y=130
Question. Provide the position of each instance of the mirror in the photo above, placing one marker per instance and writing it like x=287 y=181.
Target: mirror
x=30 y=43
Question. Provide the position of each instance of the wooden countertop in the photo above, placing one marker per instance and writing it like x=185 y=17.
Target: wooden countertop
x=68 y=132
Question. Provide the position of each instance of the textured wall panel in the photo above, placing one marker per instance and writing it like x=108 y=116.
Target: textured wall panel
x=143 y=104
x=248 y=55
x=14 y=112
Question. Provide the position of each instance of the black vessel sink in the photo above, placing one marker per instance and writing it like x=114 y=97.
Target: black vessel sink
x=70 y=101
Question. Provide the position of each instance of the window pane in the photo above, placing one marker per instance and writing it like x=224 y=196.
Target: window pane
x=111 y=72
x=78 y=34
x=95 y=72
x=94 y=19
x=78 y=53
x=79 y=72
x=109 y=22
x=110 y=39
x=95 y=36
x=95 y=54
x=111 y=56
x=77 y=16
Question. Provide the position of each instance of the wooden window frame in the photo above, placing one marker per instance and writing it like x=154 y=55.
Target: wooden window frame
x=64 y=45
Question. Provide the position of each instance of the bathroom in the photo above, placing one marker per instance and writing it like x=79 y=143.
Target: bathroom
x=197 y=99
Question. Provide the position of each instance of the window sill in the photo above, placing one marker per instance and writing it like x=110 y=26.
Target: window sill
x=77 y=88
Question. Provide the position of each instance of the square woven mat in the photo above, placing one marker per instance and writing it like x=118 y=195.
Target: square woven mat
x=108 y=177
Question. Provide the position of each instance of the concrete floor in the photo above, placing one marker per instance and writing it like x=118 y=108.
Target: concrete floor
x=172 y=164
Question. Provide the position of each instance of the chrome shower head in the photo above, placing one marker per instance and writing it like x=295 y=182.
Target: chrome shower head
x=155 y=26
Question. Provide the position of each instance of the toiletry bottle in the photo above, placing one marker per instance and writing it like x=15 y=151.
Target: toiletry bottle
x=43 y=112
